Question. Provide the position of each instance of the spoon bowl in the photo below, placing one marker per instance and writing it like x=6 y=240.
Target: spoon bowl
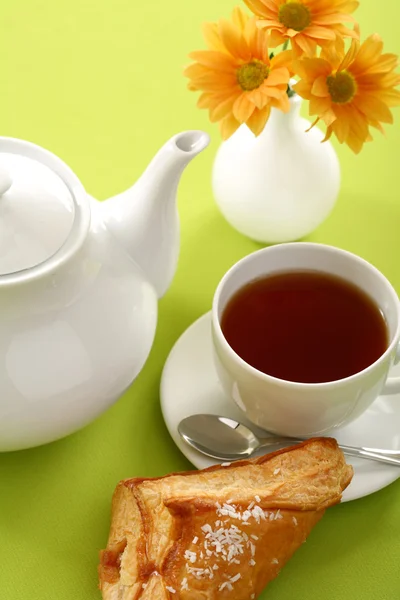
x=218 y=437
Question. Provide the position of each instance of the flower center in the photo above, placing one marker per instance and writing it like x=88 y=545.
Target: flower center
x=294 y=15
x=342 y=87
x=251 y=75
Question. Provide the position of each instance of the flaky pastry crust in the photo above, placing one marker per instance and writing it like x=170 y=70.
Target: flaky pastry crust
x=223 y=532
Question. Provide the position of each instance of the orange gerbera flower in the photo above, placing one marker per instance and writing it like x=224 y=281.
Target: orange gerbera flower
x=351 y=92
x=240 y=83
x=306 y=23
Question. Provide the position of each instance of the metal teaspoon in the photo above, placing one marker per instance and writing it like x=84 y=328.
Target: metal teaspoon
x=227 y=439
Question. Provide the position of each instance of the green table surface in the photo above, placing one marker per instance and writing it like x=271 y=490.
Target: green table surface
x=99 y=83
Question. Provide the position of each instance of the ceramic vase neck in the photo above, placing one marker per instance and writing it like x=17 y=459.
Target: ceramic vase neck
x=280 y=120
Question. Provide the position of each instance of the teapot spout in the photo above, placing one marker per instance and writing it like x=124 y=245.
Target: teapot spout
x=144 y=219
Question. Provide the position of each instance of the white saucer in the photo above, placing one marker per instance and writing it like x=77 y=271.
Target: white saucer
x=189 y=385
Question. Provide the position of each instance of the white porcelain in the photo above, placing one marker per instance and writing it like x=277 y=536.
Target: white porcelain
x=36 y=212
x=281 y=185
x=77 y=326
x=299 y=409
x=190 y=385
x=5 y=180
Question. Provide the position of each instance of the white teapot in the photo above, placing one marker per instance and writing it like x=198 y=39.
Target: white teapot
x=79 y=283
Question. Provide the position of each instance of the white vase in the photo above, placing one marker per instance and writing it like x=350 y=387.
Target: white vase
x=281 y=185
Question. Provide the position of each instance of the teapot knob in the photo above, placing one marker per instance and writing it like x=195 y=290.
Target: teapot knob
x=5 y=181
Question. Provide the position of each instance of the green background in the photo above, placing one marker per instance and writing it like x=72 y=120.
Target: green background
x=99 y=83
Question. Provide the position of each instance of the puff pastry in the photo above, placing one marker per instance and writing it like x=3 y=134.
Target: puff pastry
x=223 y=532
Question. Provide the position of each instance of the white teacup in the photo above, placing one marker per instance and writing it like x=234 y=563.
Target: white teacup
x=299 y=409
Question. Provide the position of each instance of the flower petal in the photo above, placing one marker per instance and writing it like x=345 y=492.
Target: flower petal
x=328 y=135
x=350 y=6
x=358 y=124
x=257 y=7
x=195 y=70
x=272 y=92
x=367 y=54
x=257 y=40
x=332 y=19
x=385 y=63
x=258 y=120
x=329 y=117
x=312 y=68
x=233 y=40
x=211 y=100
x=269 y=23
x=304 y=44
x=275 y=36
x=313 y=124
x=204 y=100
x=350 y=56
x=390 y=97
x=282 y=59
x=243 y=108
x=373 y=108
x=239 y=17
x=334 y=53
x=257 y=98
x=272 y=5
x=211 y=36
x=354 y=142
x=278 y=76
x=320 y=87
x=303 y=89
x=320 y=33
x=376 y=125
x=342 y=124
x=222 y=109
x=317 y=106
x=228 y=126
x=211 y=81
x=343 y=31
x=218 y=61
x=291 y=33
x=283 y=103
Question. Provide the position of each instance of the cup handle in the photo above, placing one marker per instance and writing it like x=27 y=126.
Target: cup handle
x=392 y=385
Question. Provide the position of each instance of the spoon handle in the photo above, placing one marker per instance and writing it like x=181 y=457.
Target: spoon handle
x=390 y=457
x=372 y=454
x=277 y=440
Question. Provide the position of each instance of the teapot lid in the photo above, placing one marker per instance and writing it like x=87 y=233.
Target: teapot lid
x=37 y=211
